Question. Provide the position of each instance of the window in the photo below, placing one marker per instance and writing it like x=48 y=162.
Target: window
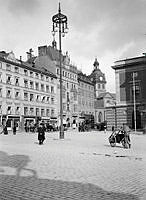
x=1 y=109
x=52 y=89
x=52 y=112
x=0 y=92
x=48 y=99
x=0 y=65
x=31 y=85
x=31 y=111
x=43 y=99
x=37 y=112
x=52 y=80
x=16 y=69
x=48 y=112
x=0 y=77
x=9 y=110
x=31 y=97
x=67 y=96
x=26 y=83
x=42 y=77
x=42 y=112
x=17 y=110
x=37 y=86
x=25 y=96
x=67 y=85
x=17 y=95
x=16 y=81
x=37 y=98
x=47 y=88
x=52 y=100
x=98 y=86
x=37 y=75
x=57 y=71
x=8 y=79
x=25 y=110
x=103 y=86
x=25 y=72
x=8 y=95
x=42 y=87
x=8 y=67
x=31 y=74
x=47 y=78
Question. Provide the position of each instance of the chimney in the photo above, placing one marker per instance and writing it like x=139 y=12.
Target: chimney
x=42 y=50
x=29 y=55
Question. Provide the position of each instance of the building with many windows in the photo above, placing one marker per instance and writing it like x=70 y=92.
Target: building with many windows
x=27 y=92
x=130 y=104
x=49 y=54
x=85 y=95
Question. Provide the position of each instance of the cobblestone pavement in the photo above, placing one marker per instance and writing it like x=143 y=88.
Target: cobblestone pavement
x=82 y=166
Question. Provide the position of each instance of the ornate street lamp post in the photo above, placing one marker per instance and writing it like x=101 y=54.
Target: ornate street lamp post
x=60 y=24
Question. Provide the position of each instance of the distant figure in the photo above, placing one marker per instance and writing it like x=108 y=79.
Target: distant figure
x=105 y=128
x=113 y=128
x=14 y=128
x=5 y=130
x=41 y=133
x=126 y=131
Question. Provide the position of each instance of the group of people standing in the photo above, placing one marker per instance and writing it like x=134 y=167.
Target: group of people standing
x=4 y=128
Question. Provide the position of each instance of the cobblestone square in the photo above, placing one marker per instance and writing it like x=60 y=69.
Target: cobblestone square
x=81 y=166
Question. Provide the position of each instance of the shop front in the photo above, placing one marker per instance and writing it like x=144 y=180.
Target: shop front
x=10 y=120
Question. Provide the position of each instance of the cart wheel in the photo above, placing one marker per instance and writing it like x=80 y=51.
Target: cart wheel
x=113 y=144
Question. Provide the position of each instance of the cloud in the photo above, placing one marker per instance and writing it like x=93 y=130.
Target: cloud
x=22 y=7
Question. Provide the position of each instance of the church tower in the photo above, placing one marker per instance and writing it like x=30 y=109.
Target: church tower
x=98 y=79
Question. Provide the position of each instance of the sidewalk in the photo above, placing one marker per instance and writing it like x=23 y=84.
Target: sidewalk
x=81 y=166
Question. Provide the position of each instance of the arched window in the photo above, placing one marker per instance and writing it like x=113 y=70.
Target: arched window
x=100 y=117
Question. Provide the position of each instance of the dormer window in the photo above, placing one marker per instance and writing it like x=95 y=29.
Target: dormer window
x=31 y=74
x=8 y=67
x=25 y=72
x=36 y=75
x=42 y=77
x=16 y=69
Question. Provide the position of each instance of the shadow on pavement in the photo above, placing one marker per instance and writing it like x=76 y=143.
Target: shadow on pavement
x=33 y=188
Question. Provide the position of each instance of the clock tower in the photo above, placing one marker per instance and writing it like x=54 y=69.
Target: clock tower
x=98 y=79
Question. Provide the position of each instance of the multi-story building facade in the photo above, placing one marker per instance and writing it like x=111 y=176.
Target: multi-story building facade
x=69 y=81
x=130 y=93
x=27 y=92
x=85 y=95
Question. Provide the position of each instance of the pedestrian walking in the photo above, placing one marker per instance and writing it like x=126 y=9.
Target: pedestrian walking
x=41 y=133
x=126 y=131
x=14 y=128
x=5 y=130
x=105 y=128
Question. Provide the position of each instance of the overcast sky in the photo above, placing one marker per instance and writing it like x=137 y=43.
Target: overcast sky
x=106 y=29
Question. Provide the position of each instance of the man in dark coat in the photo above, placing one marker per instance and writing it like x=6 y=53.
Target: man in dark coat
x=14 y=128
x=41 y=133
x=5 y=130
